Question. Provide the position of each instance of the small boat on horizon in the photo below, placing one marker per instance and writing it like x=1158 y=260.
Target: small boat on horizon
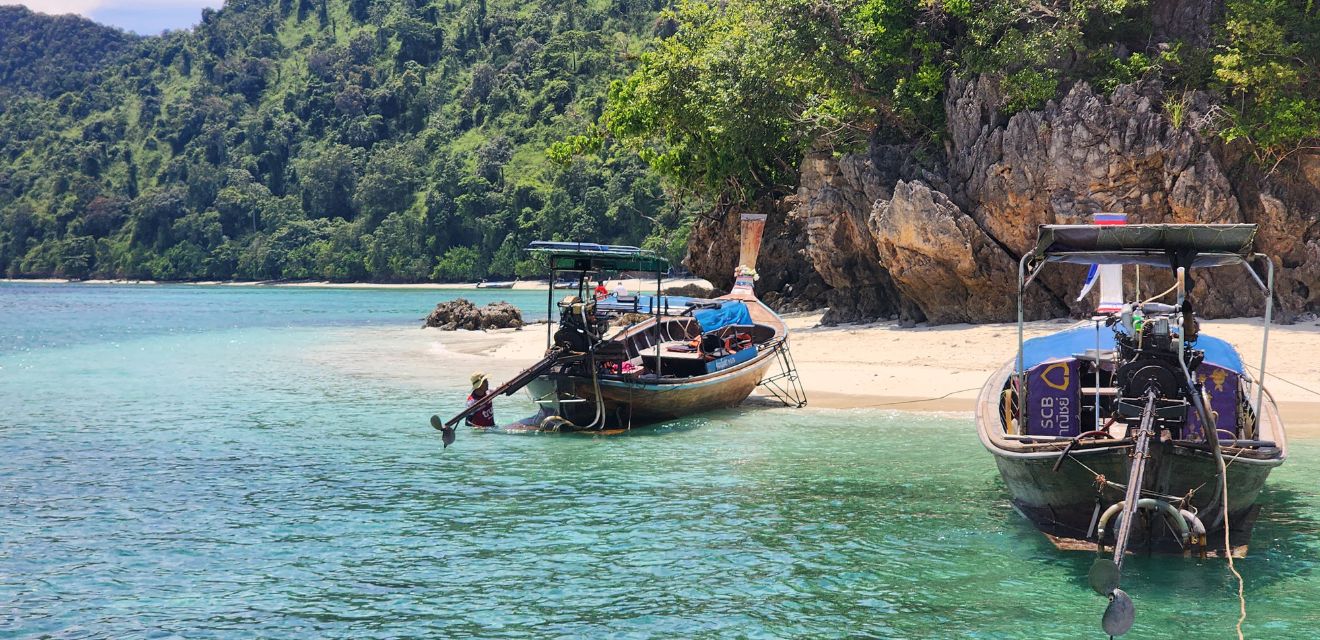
x=496 y=285
x=1114 y=434
x=676 y=357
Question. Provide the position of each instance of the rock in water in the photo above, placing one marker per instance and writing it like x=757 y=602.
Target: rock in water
x=462 y=314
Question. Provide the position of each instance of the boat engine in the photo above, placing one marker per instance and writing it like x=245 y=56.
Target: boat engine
x=1149 y=354
x=579 y=328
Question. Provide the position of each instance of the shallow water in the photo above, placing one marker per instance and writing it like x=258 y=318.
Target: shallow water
x=189 y=461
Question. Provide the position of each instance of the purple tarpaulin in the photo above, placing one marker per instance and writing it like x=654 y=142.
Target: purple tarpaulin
x=1053 y=403
x=1223 y=387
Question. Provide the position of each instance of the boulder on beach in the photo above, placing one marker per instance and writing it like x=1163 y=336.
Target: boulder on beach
x=462 y=314
x=693 y=290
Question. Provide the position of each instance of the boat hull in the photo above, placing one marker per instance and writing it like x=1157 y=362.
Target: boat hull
x=629 y=404
x=1063 y=503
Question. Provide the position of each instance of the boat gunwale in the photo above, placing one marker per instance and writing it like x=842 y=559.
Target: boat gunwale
x=987 y=405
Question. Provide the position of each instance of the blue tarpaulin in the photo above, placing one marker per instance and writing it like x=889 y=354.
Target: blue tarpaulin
x=1069 y=342
x=728 y=313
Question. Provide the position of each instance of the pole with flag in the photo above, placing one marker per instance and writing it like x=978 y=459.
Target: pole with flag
x=1110 y=276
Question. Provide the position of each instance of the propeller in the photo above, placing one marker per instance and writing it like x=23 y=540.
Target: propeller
x=446 y=432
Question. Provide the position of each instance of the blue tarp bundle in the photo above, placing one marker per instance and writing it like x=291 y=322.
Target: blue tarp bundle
x=1065 y=344
x=728 y=313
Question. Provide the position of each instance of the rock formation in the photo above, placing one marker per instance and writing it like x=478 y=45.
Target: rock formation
x=462 y=314
x=788 y=281
x=893 y=235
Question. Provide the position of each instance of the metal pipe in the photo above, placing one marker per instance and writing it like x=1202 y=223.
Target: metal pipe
x=1252 y=272
x=659 y=367
x=1034 y=272
x=1097 y=375
x=1174 y=516
x=1207 y=419
x=549 y=303
x=1140 y=453
x=1021 y=373
x=1265 y=339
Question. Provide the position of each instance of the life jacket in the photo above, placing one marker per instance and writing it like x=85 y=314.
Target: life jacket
x=484 y=417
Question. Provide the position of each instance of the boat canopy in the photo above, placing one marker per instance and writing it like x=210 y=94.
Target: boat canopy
x=649 y=304
x=587 y=256
x=1078 y=340
x=1193 y=245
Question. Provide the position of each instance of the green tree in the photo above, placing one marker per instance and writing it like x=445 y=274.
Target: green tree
x=459 y=264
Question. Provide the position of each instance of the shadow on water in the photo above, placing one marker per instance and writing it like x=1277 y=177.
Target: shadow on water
x=1284 y=549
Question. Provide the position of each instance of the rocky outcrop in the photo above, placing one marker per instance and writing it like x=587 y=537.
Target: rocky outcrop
x=693 y=290
x=462 y=314
x=941 y=260
x=788 y=280
x=940 y=239
x=1088 y=153
x=833 y=204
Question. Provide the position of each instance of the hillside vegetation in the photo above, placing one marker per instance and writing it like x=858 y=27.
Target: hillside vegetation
x=390 y=140
x=728 y=105
x=409 y=140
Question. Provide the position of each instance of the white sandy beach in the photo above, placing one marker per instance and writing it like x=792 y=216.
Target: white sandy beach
x=939 y=368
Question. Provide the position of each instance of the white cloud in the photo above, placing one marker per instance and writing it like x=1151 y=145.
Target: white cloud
x=87 y=7
x=59 y=7
x=140 y=16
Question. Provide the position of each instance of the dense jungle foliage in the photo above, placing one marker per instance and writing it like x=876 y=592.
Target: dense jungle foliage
x=726 y=105
x=408 y=140
x=389 y=140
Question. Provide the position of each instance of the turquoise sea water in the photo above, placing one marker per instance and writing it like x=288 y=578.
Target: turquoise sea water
x=211 y=462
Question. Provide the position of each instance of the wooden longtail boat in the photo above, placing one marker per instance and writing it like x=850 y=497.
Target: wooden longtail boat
x=1114 y=434
x=686 y=357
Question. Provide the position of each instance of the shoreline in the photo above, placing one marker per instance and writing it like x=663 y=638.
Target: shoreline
x=633 y=284
x=925 y=369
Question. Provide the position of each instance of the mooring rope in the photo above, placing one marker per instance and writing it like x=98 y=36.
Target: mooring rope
x=1228 y=550
x=1282 y=379
x=887 y=404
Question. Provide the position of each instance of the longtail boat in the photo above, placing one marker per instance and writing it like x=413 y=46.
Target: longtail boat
x=675 y=357
x=1135 y=430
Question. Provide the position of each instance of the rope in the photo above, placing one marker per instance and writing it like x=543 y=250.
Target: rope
x=1161 y=295
x=1282 y=379
x=1228 y=550
x=1100 y=479
x=887 y=404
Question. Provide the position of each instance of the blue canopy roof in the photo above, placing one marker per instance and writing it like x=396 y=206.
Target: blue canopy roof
x=589 y=256
x=669 y=305
x=1068 y=342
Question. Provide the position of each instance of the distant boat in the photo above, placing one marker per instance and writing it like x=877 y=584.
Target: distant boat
x=1113 y=434
x=496 y=285
x=685 y=358
x=565 y=284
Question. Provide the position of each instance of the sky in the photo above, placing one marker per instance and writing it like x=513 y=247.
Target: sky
x=145 y=17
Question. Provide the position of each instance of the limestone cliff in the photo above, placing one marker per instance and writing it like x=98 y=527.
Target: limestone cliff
x=892 y=233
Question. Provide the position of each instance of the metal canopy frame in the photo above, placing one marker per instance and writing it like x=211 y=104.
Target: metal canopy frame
x=588 y=257
x=1031 y=265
